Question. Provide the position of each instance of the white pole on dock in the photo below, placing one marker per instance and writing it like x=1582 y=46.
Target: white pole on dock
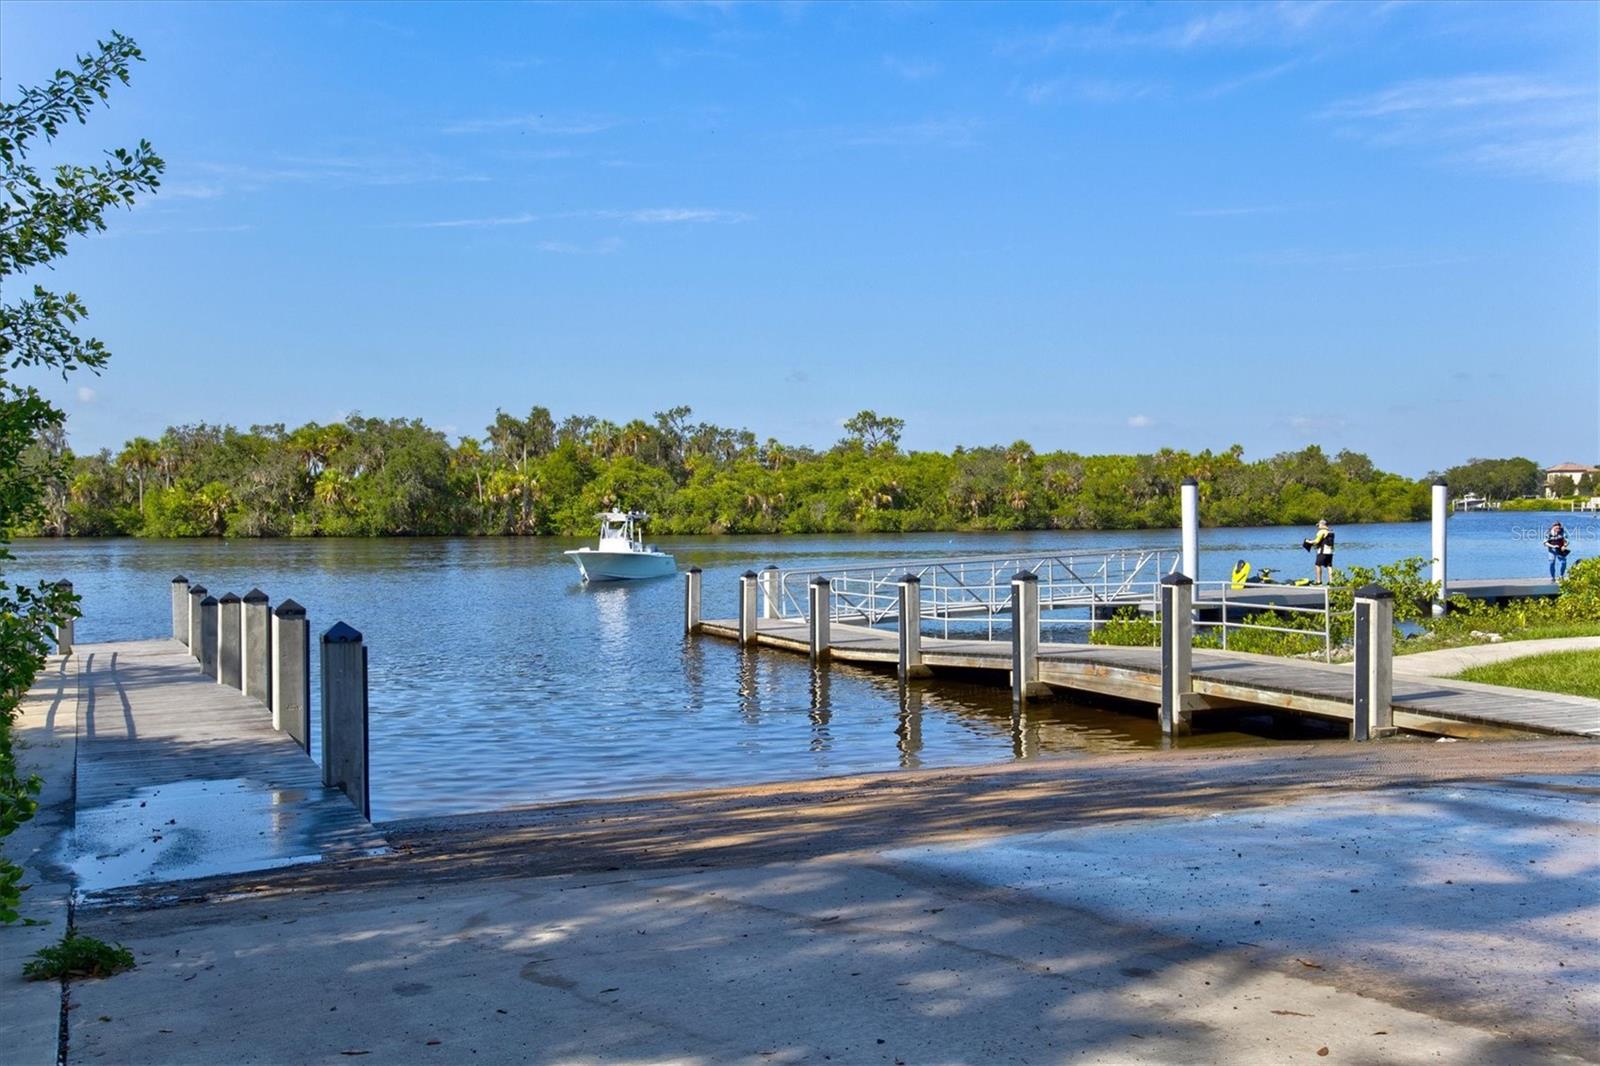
x=910 y=611
x=180 y=609
x=291 y=673
x=344 y=716
x=1177 y=654
x=255 y=639
x=747 y=607
x=1025 y=637
x=208 y=636
x=197 y=593
x=66 y=628
x=1373 y=710
x=230 y=663
x=691 y=600
x=1441 y=516
x=772 y=592
x=820 y=628
x=1189 y=498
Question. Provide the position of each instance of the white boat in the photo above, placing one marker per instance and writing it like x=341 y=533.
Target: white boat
x=622 y=556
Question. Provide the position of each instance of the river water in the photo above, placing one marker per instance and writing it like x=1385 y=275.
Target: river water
x=496 y=678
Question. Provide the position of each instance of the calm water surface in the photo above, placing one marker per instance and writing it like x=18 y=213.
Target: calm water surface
x=498 y=679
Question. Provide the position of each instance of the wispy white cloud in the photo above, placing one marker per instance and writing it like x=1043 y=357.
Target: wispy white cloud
x=601 y=247
x=1089 y=91
x=1140 y=422
x=911 y=69
x=1254 y=77
x=641 y=216
x=1511 y=124
x=533 y=123
x=1220 y=26
x=333 y=170
x=86 y=394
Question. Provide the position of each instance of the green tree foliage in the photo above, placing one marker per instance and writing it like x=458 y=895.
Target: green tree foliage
x=1500 y=479
x=534 y=475
x=38 y=487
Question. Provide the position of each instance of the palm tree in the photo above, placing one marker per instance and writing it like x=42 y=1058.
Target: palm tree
x=140 y=457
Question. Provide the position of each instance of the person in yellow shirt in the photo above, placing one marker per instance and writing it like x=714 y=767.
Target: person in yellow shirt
x=1321 y=546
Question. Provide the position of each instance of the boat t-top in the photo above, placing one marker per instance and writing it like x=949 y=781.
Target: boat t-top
x=622 y=556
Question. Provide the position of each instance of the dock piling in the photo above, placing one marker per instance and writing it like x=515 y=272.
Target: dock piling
x=1374 y=681
x=197 y=593
x=1177 y=654
x=1025 y=637
x=344 y=715
x=208 y=636
x=910 y=609
x=820 y=594
x=691 y=600
x=255 y=633
x=1189 y=499
x=66 y=627
x=291 y=672
x=229 y=662
x=1441 y=546
x=180 y=609
x=772 y=592
x=747 y=607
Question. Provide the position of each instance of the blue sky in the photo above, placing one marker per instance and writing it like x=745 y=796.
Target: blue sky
x=1096 y=227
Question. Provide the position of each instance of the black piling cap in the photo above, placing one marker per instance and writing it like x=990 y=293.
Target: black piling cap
x=255 y=596
x=1190 y=481
x=910 y=579
x=748 y=573
x=290 y=609
x=770 y=566
x=1024 y=575
x=820 y=580
x=180 y=580
x=1373 y=592
x=694 y=570
x=197 y=590
x=342 y=634
x=209 y=601
x=1176 y=579
x=230 y=597
x=1441 y=481
x=64 y=584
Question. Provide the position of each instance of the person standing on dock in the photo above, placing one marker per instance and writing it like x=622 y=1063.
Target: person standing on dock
x=1321 y=545
x=1556 y=543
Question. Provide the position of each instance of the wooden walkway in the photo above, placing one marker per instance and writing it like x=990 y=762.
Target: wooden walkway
x=180 y=777
x=1223 y=679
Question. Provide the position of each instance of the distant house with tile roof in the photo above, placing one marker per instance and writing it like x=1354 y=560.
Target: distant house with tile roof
x=1563 y=478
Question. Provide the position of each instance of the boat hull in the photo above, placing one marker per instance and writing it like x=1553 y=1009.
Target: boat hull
x=622 y=566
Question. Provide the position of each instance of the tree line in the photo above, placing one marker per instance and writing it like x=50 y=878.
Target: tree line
x=536 y=475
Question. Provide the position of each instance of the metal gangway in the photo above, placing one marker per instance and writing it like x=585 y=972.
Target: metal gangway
x=1096 y=580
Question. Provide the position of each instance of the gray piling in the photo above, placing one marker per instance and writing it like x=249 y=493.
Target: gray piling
x=771 y=592
x=66 y=625
x=291 y=672
x=819 y=626
x=1177 y=654
x=344 y=715
x=255 y=646
x=180 y=609
x=691 y=600
x=1441 y=543
x=1374 y=682
x=910 y=611
x=747 y=607
x=196 y=594
x=209 y=608
x=229 y=658
x=1025 y=683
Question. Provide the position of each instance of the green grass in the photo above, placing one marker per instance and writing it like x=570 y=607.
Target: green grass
x=77 y=956
x=1574 y=672
x=1543 y=631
